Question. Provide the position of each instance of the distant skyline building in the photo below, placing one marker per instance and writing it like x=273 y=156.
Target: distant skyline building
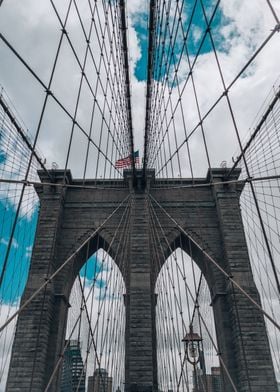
x=100 y=381
x=208 y=382
x=73 y=376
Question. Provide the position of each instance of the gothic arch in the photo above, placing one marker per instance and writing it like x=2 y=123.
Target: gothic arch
x=210 y=214
x=68 y=217
x=181 y=312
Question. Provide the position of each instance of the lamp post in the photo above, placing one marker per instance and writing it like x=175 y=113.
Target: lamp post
x=192 y=348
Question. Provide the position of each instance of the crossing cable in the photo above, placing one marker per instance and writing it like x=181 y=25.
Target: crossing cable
x=161 y=326
x=115 y=95
x=157 y=56
x=267 y=138
x=197 y=307
x=18 y=272
x=83 y=65
x=149 y=79
x=256 y=131
x=202 y=319
x=262 y=270
x=11 y=292
x=225 y=91
x=47 y=89
x=56 y=368
x=166 y=327
x=72 y=45
x=120 y=114
x=278 y=328
x=273 y=12
x=124 y=241
x=121 y=241
x=100 y=184
x=24 y=185
x=251 y=206
x=102 y=47
x=213 y=261
x=81 y=68
x=172 y=57
x=163 y=11
x=14 y=153
x=98 y=359
x=92 y=290
x=166 y=67
x=127 y=79
x=120 y=188
x=111 y=340
x=172 y=281
x=125 y=216
x=168 y=64
x=50 y=93
x=21 y=132
x=66 y=345
x=241 y=149
x=167 y=306
x=175 y=73
x=194 y=299
x=183 y=274
x=47 y=281
x=157 y=37
x=83 y=289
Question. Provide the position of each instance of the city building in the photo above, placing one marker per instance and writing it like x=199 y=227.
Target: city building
x=100 y=381
x=208 y=382
x=216 y=379
x=73 y=376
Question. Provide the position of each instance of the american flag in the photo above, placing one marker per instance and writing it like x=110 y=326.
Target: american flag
x=127 y=161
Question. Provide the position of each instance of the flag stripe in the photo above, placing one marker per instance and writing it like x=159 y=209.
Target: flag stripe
x=127 y=161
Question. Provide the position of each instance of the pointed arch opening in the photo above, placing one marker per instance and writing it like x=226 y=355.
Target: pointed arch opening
x=93 y=349
x=184 y=300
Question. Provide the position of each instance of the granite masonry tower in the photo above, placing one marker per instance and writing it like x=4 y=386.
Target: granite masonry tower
x=211 y=215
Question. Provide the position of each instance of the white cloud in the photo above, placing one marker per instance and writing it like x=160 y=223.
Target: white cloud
x=246 y=25
x=197 y=34
x=5 y=242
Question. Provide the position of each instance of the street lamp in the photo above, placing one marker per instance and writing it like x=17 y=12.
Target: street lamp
x=192 y=343
x=192 y=348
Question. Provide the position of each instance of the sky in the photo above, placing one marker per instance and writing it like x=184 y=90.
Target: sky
x=32 y=27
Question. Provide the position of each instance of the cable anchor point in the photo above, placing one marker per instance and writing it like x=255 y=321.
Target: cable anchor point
x=276 y=28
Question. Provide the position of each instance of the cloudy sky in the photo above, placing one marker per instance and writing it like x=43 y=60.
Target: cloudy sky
x=33 y=28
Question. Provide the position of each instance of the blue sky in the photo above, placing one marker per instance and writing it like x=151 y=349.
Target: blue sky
x=20 y=252
x=198 y=26
x=19 y=256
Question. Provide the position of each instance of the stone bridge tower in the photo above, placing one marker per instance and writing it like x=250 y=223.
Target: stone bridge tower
x=211 y=215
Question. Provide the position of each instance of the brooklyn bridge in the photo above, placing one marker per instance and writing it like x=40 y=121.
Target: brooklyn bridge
x=139 y=196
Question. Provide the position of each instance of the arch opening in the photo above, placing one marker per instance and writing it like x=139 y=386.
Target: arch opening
x=93 y=350
x=183 y=299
